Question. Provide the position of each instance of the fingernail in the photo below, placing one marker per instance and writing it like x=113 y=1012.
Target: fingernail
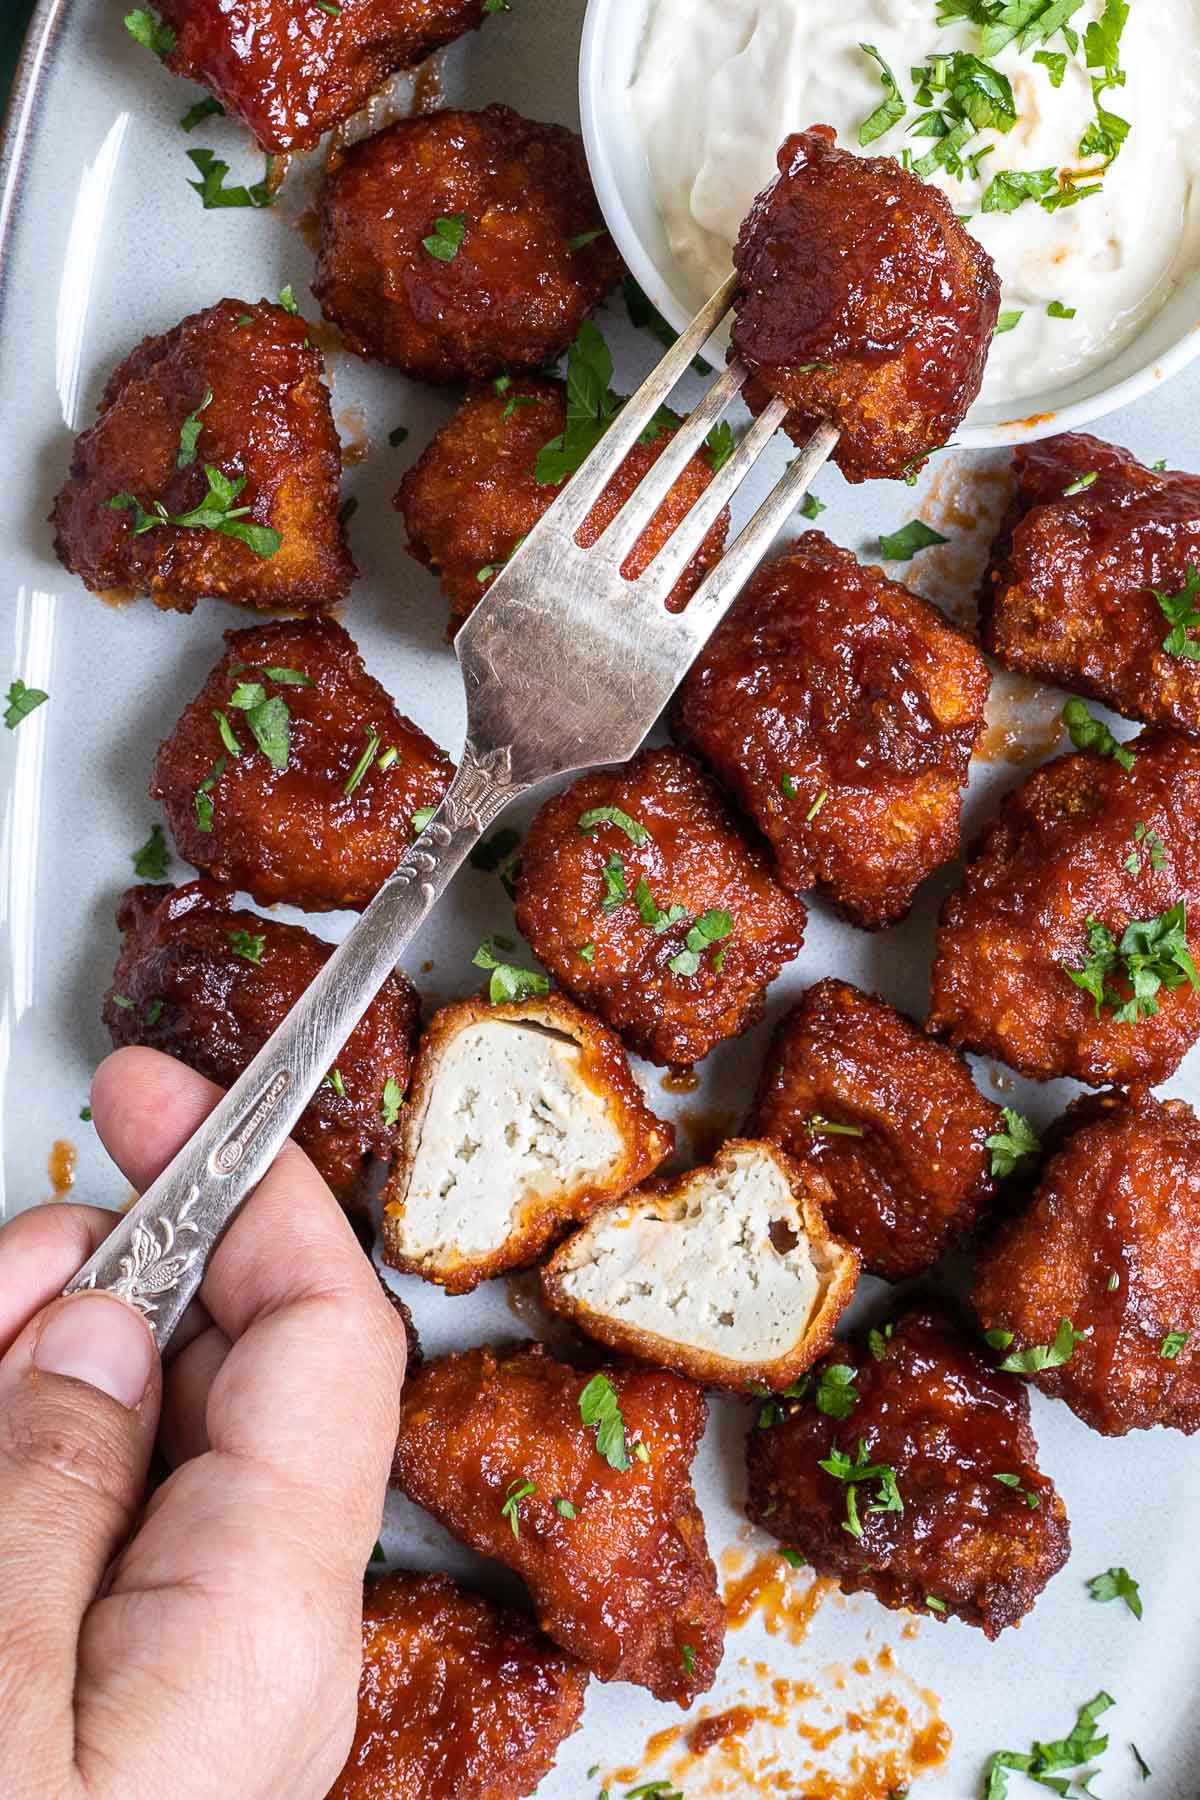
x=96 y=1339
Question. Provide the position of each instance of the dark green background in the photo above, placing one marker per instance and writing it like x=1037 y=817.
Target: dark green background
x=12 y=30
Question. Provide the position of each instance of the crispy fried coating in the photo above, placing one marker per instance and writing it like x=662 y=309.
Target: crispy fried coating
x=1110 y=1241
x=1069 y=594
x=291 y=72
x=728 y=1274
x=295 y=834
x=909 y=1168
x=955 y=1540
x=512 y=282
x=841 y=711
x=626 y=1584
x=523 y=1120
x=474 y=495
x=459 y=1699
x=862 y=301
x=1072 y=850
x=597 y=907
x=268 y=424
x=208 y=983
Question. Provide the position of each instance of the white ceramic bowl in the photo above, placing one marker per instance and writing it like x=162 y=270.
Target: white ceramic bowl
x=612 y=37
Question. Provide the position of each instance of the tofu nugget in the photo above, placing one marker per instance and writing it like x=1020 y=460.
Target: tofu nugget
x=638 y=891
x=1094 y=576
x=463 y=243
x=323 y=820
x=208 y=983
x=841 y=711
x=582 y=1485
x=523 y=1119
x=728 y=1274
x=1111 y=1244
x=475 y=493
x=1068 y=948
x=909 y=1471
x=862 y=301
x=459 y=1699
x=213 y=469
x=892 y=1120
x=291 y=72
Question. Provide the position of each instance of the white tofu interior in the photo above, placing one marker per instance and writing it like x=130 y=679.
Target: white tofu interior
x=512 y=1120
x=723 y=1265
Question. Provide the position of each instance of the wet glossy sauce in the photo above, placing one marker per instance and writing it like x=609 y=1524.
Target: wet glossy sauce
x=680 y=1081
x=786 y=1599
x=1024 y=722
x=60 y=1166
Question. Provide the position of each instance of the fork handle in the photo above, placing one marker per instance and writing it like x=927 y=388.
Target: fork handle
x=156 y=1256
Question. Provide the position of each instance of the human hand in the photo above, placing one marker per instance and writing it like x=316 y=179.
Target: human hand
x=218 y=1655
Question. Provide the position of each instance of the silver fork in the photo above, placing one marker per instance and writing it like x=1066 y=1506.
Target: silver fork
x=566 y=664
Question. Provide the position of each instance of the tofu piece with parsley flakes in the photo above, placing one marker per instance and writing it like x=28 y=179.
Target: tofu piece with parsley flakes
x=523 y=1119
x=729 y=1275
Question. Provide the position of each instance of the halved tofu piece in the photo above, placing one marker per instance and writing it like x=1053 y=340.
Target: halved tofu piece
x=729 y=1275
x=523 y=1119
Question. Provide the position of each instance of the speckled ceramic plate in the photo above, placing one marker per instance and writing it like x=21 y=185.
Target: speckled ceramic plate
x=102 y=241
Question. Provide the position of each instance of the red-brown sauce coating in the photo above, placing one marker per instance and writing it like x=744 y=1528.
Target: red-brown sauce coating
x=627 y=1585
x=295 y=834
x=289 y=71
x=180 y=986
x=1069 y=594
x=855 y=265
x=1111 y=1241
x=841 y=711
x=515 y=291
x=912 y=1169
x=459 y=1699
x=474 y=495
x=933 y=1410
x=268 y=420
x=1060 y=852
x=694 y=857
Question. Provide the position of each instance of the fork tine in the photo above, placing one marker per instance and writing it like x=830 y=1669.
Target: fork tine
x=575 y=502
x=645 y=500
x=722 y=585
x=656 y=583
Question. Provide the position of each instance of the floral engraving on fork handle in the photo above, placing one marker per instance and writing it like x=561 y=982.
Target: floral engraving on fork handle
x=482 y=788
x=154 y=1263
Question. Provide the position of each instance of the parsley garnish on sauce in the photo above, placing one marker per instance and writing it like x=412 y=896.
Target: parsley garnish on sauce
x=1146 y=843
x=1014 y=1144
x=1181 y=614
x=508 y=981
x=216 y=512
x=709 y=928
x=1172 y=1344
x=203 y=801
x=616 y=892
x=837 y=1395
x=888 y=1499
x=392 y=1100
x=819 y=1125
x=249 y=945
x=516 y=1491
x=1084 y=482
x=599 y=1407
x=596 y=816
x=445 y=240
x=1044 y=1356
x=1090 y=733
x=189 y=434
x=902 y=545
x=651 y=913
x=1032 y=1500
x=21 y=701
x=150 y=862
x=1117 y=1584
x=1151 y=954
x=149 y=30
x=1083 y=1745
x=364 y=762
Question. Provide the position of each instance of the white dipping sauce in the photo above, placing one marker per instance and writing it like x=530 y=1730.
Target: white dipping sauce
x=721 y=83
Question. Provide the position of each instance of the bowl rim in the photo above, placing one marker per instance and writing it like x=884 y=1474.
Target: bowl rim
x=600 y=17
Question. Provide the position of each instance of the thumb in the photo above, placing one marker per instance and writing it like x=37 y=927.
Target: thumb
x=79 y=1401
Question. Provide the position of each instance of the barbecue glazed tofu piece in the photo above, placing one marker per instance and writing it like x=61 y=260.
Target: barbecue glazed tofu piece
x=919 y=1482
x=459 y=1699
x=1093 y=577
x=892 y=1120
x=319 y=818
x=1110 y=1244
x=236 y=390
x=523 y=1119
x=728 y=1274
x=475 y=493
x=608 y=1539
x=290 y=73
x=463 y=243
x=208 y=983
x=1088 y=874
x=841 y=712
x=862 y=301
x=640 y=894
